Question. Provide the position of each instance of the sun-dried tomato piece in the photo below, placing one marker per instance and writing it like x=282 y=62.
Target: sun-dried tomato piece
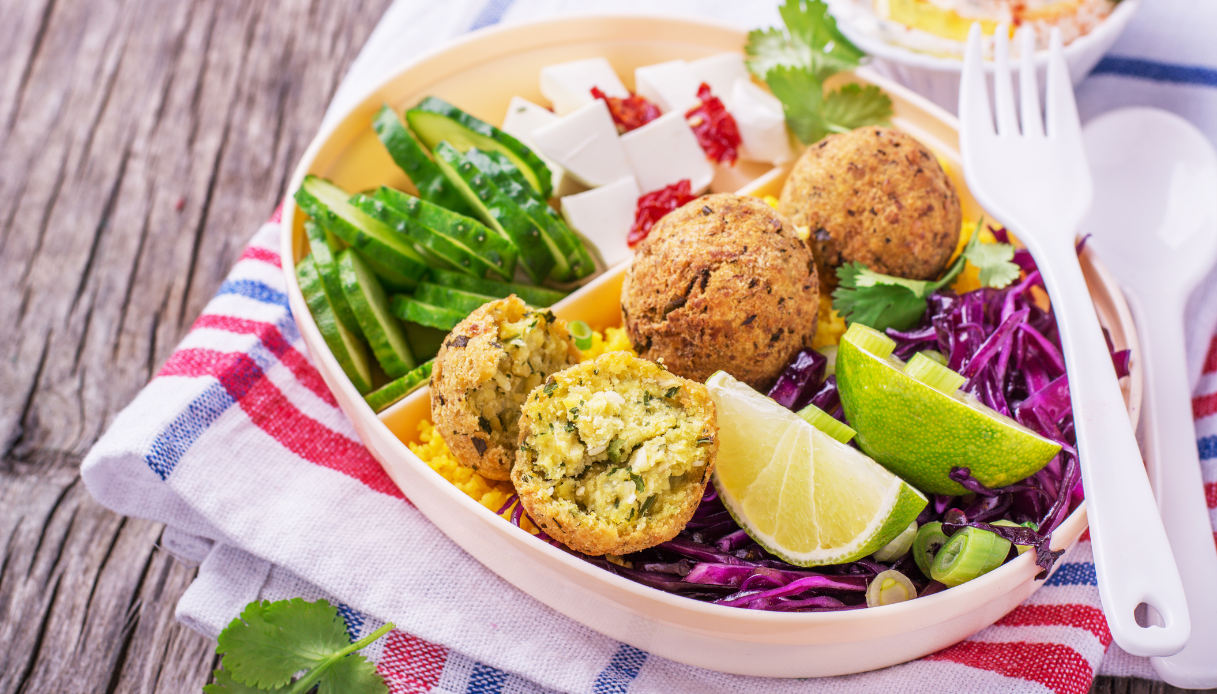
x=716 y=130
x=631 y=112
x=654 y=205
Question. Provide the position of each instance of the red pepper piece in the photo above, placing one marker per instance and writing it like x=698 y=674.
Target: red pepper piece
x=631 y=112
x=716 y=130
x=654 y=205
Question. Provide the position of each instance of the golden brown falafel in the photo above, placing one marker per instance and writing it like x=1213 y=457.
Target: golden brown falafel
x=721 y=283
x=614 y=454
x=484 y=371
x=876 y=196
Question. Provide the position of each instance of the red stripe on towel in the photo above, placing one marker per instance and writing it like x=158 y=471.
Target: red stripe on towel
x=1054 y=665
x=1086 y=617
x=274 y=341
x=411 y=665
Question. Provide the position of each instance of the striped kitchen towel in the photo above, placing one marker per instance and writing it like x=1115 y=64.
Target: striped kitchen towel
x=240 y=449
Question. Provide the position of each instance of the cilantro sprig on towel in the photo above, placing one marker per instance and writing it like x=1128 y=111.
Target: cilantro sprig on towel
x=265 y=648
x=797 y=59
x=883 y=301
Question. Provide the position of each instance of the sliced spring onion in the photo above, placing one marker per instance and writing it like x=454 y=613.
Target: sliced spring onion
x=899 y=545
x=926 y=543
x=933 y=374
x=969 y=553
x=582 y=334
x=869 y=340
x=827 y=423
x=1011 y=524
x=830 y=354
x=889 y=587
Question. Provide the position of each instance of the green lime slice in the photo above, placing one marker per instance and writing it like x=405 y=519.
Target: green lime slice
x=797 y=491
x=919 y=425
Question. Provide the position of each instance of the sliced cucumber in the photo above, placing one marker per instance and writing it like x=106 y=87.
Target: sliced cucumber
x=485 y=249
x=371 y=309
x=499 y=211
x=323 y=257
x=450 y=297
x=435 y=252
x=347 y=348
x=393 y=391
x=424 y=341
x=413 y=160
x=436 y=120
x=415 y=311
x=536 y=296
x=559 y=242
x=391 y=256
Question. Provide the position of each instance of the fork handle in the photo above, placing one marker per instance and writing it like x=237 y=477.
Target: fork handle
x=1132 y=556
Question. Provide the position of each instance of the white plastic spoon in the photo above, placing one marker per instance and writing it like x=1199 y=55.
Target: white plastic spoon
x=1154 y=225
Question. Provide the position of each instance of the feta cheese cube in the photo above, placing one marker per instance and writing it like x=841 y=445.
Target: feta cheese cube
x=720 y=72
x=761 y=122
x=670 y=85
x=585 y=143
x=664 y=151
x=523 y=118
x=604 y=216
x=568 y=86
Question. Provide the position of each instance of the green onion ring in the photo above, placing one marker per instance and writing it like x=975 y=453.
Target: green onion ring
x=969 y=553
x=926 y=544
x=899 y=545
x=582 y=334
x=889 y=587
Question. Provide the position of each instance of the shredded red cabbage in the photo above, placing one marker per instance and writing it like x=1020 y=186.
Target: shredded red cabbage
x=1007 y=346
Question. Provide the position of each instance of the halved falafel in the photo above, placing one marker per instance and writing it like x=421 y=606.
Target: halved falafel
x=485 y=369
x=614 y=454
x=876 y=196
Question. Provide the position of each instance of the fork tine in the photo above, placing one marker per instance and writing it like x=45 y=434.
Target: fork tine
x=1003 y=91
x=1028 y=90
x=1062 y=111
x=973 y=96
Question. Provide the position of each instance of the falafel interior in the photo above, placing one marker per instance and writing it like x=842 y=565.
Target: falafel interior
x=615 y=454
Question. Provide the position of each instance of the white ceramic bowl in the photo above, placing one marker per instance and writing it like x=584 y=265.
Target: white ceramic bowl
x=937 y=77
x=480 y=73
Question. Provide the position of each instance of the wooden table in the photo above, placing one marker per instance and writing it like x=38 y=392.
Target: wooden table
x=143 y=141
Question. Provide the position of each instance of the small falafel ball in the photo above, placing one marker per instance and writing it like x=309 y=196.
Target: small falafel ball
x=722 y=283
x=485 y=369
x=614 y=454
x=876 y=196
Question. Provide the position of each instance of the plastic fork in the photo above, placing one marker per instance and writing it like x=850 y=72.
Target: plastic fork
x=1037 y=181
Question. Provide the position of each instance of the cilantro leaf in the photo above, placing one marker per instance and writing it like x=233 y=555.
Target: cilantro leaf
x=801 y=97
x=995 y=262
x=773 y=47
x=854 y=105
x=809 y=22
x=270 y=642
x=871 y=298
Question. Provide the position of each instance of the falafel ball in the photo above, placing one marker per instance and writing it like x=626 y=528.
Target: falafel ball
x=722 y=283
x=876 y=196
x=614 y=454
x=485 y=369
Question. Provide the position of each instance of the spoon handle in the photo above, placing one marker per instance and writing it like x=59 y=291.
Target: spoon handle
x=1174 y=465
x=1132 y=557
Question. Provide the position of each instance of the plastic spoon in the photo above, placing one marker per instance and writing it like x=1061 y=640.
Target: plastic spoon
x=1154 y=224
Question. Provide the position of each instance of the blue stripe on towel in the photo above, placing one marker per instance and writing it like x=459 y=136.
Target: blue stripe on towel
x=1208 y=447
x=491 y=13
x=1156 y=71
x=622 y=668
x=1073 y=574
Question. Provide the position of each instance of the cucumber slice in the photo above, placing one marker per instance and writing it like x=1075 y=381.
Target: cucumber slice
x=433 y=251
x=485 y=249
x=500 y=171
x=389 y=254
x=436 y=120
x=426 y=314
x=393 y=391
x=449 y=297
x=371 y=309
x=413 y=160
x=499 y=211
x=347 y=348
x=424 y=342
x=323 y=257
x=536 y=296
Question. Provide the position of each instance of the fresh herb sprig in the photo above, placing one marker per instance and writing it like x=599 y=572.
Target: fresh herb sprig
x=883 y=301
x=265 y=648
x=797 y=59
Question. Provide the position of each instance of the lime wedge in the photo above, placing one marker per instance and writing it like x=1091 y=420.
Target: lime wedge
x=917 y=424
x=801 y=494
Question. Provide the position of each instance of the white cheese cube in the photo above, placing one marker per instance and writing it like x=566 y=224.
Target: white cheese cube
x=604 y=216
x=720 y=72
x=762 y=125
x=522 y=119
x=568 y=86
x=585 y=143
x=670 y=85
x=664 y=151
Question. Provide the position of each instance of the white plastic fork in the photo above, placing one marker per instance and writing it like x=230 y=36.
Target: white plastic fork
x=1037 y=182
